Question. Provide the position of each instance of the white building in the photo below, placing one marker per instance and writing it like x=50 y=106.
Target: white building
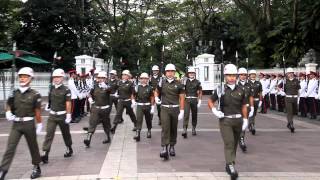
x=85 y=63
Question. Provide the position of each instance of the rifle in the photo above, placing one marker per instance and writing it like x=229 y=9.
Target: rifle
x=220 y=103
x=50 y=83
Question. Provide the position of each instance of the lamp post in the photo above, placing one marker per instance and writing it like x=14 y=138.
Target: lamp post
x=13 y=66
x=203 y=47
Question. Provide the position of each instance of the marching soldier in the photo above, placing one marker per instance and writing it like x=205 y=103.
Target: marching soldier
x=280 y=93
x=302 y=95
x=193 y=90
x=256 y=90
x=273 y=91
x=312 y=86
x=100 y=101
x=232 y=115
x=74 y=96
x=113 y=83
x=172 y=97
x=23 y=109
x=145 y=105
x=243 y=83
x=126 y=100
x=155 y=79
x=291 y=88
x=60 y=115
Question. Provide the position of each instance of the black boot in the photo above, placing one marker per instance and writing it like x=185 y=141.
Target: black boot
x=184 y=133
x=164 y=152
x=108 y=140
x=36 y=172
x=230 y=169
x=243 y=144
x=2 y=174
x=253 y=129
x=87 y=141
x=68 y=152
x=291 y=127
x=137 y=137
x=113 y=129
x=45 y=157
x=194 y=132
x=172 y=151
x=149 y=133
x=85 y=128
x=134 y=128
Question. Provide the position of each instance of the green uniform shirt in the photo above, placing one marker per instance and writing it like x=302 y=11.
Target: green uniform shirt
x=125 y=89
x=247 y=89
x=155 y=81
x=192 y=87
x=113 y=83
x=100 y=96
x=25 y=103
x=170 y=91
x=256 y=88
x=143 y=93
x=291 y=87
x=59 y=96
x=231 y=100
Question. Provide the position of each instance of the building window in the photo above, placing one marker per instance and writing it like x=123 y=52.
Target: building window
x=206 y=73
x=83 y=61
x=83 y=70
x=206 y=60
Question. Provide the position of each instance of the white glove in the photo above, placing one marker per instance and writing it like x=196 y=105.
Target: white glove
x=199 y=103
x=152 y=110
x=298 y=100
x=158 y=101
x=116 y=95
x=260 y=103
x=316 y=97
x=181 y=114
x=103 y=85
x=133 y=103
x=10 y=116
x=80 y=96
x=244 y=124
x=68 y=119
x=47 y=107
x=217 y=113
x=251 y=111
x=90 y=100
x=39 y=128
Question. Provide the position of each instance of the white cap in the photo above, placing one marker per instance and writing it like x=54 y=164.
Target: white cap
x=113 y=72
x=170 y=67
x=26 y=71
x=290 y=70
x=242 y=71
x=191 y=70
x=102 y=74
x=252 y=71
x=155 y=68
x=230 y=69
x=144 y=75
x=126 y=72
x=58 y=73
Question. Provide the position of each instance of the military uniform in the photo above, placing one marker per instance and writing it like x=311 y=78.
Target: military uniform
x=273 y=91
x=280 y=95
x=312 y=87
x=291 y=88
x=302 y=97
x=113 y=83
x=192 y=86
x=100 y=112
x=59 y=96
x=256 y=90
x=265 y=83
x=154 y=83
x=23 y=106
x=74 y=99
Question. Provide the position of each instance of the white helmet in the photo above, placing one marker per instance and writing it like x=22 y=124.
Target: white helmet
x=126 y=72
x=95 y=71
x=102 y=74
x=26 y=71
x=170 y=67
x=252 y=72
x=58 y=73
x=242 y=71
x=230 y=69
x=113 y=72
x=290 y=70
x=155 y=68
x=191 y=70
x=144 y=75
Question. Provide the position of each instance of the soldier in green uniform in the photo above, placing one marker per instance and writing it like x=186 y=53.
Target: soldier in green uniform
x=193 y=90
x=243 y=83
x=145 y=105
x=172 y=97
x=154 y=80
x=232 y=115
x=113 y=83
x=99 y=98
x=256 y=90
x=59 y=115
x=23 y=109
x=291 y=88
x=126 y=100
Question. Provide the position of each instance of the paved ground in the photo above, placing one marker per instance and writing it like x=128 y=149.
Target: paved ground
x=273 y=153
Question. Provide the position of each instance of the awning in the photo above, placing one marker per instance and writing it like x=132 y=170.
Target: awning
x=5 y=56
x=32 y=59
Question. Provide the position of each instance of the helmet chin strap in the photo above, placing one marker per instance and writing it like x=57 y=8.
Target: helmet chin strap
x=24 y=84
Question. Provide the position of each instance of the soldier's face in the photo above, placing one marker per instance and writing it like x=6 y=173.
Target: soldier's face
x=192 y=75
x=143 y=80
x=170 y=74
x=24 y=80
x=112 y=76
x=253 y=76
x=155 y=72
x=57 y=80
x=290 y=75
x=242 y=77
x=231 y=78
x=125 y=77
x=101 y=80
